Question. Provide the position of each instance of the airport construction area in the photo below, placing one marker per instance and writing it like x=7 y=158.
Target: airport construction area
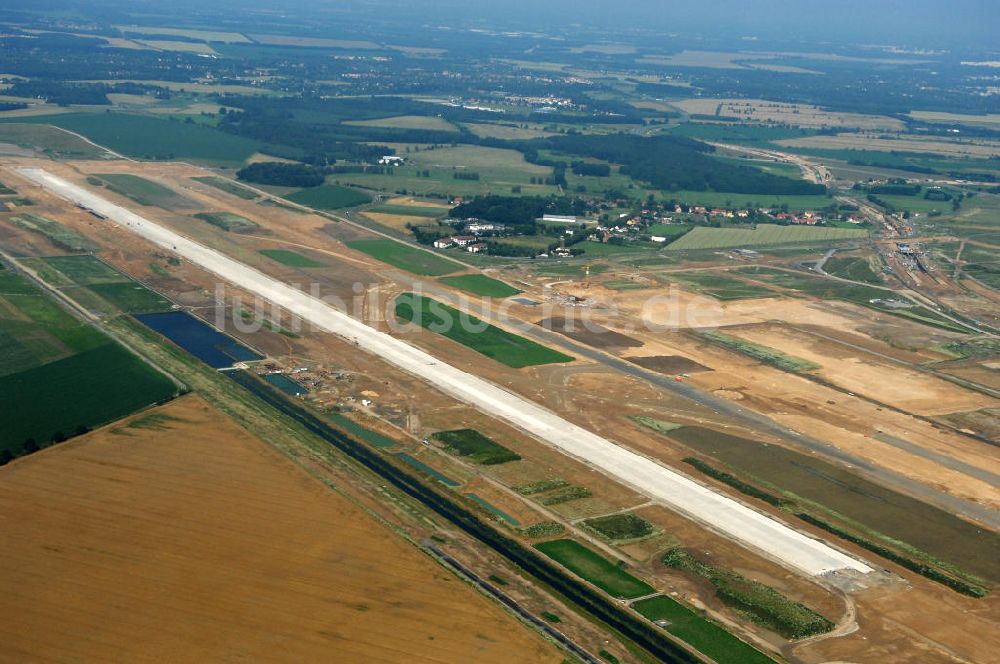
x=819 y=459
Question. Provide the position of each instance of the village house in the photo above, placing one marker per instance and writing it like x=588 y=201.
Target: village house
x=476 y=247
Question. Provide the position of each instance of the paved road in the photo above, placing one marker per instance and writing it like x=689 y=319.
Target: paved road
x=760 y=532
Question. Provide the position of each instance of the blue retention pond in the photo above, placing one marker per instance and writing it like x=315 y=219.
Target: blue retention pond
x=286 y=384
x=427 y=469
x=350 y=426
x=490 y=507
x=212 y=347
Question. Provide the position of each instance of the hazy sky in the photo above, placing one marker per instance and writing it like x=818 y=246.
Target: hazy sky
x=873 y=21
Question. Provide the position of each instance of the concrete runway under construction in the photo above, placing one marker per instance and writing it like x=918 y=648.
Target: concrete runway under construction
x=731 y=518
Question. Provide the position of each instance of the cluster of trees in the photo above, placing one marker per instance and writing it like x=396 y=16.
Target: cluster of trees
x=517 y=211
x=893 y=187
x=283 y=174
x=587 y=168
x=465 y=175
x=673 y=163
x=63 y=94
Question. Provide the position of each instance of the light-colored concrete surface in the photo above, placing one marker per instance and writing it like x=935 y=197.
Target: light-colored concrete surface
x=729 y=517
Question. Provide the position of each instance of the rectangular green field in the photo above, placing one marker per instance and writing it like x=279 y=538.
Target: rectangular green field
x=83 y=270
x=764 y=235
x=491 y=341
x=594 y=568
x=58 y=373
x=329 y=197
x=405 y=257
x=84 y=390
x=131 y=297
x=705 y=636
x=228 y=186
x=290 y=258
x=34 y=330
x=143 y=191
x=477 y=447
x=480 y=284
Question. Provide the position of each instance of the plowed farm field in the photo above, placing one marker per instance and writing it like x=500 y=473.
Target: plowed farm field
x=178 y=536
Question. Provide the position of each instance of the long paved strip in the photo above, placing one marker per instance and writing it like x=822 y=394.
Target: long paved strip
x=753 y=529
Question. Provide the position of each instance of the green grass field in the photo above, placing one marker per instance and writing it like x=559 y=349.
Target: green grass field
x=493 y=342
x=228 y=186
x=917 y=204
x=705 y=636
x=669 y=230
x=406 y=257
x=764 y=235
x=58 y=373
x=591 y=567
x=855 y=268
x=411 y=210
x=146 y=137
x=329 y=197
x=143 y=191
x=290 y=258
x=130 y=297
x=98 y=286
x=475 y=446
x=83 y=390
x=83 y=270
x=228 y=221
x=480 y=284
x=721 y=286
x=499 y=171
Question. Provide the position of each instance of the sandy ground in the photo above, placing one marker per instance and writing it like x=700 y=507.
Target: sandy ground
x=194 y=541
x=860 y=372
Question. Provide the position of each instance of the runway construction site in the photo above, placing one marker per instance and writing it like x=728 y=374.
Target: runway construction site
x=789 y=478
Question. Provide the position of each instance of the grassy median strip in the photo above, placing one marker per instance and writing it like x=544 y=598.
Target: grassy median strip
x=491 y=341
